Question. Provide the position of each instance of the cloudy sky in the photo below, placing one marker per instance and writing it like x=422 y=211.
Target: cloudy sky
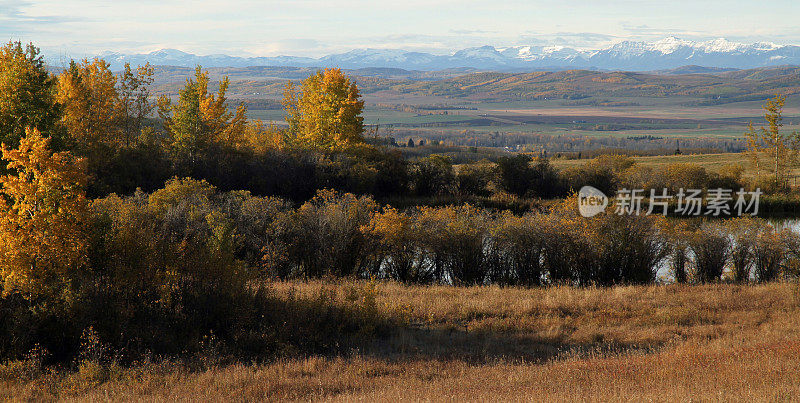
x=318 y=27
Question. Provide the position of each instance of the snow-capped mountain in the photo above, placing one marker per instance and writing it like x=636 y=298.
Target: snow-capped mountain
x=673 y=52
x=379 y=58
x=667 y=53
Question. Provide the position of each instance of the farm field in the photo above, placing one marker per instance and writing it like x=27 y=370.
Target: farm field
x=658 y=343
x=667 y=118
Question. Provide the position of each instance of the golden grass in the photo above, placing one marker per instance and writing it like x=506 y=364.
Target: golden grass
x=711 y=162
x=662 y=343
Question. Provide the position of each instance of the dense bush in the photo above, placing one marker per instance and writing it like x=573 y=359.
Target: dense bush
x=629 y=247
x=518 y=176
x=769 y=250
x=743 y=235
x=168 y=269
x=322 y=237
x=477 y=179
x=678 y=235
x=433 y=175
x=520 y=246
x=711 y=248
x=168 y=272
x=465 y=244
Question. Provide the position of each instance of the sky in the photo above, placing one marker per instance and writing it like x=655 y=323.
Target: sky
x=78 y=28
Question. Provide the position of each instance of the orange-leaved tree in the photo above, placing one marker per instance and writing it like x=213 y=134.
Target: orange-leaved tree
x=326 y=113
x=43 y=216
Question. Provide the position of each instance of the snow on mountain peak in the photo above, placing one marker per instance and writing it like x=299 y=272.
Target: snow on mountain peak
x=483 y=52
x=722 y=45
x=665 y=53
x=670 y=45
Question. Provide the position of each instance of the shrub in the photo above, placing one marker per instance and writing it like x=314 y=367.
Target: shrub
x=602 y=173
x=433 y=175
x=711 y=247
x=520 y=246
x=629 y=248
x=519 y=177
x=454 y=240
x=567 y=254
x=743 y=232
x=322 y=237
x=641 y=177
x=399 y=252
x=678 y=234
x=686 y=176
x=476 y=179
x=728 y=177
x=769 y=249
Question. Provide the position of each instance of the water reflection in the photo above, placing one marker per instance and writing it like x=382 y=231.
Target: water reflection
x=664 y=273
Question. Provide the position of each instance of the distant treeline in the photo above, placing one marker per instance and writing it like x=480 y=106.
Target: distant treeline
x=567 y=143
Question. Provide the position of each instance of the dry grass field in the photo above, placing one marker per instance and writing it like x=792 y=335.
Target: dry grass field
x=660 y=343
x=711 y=162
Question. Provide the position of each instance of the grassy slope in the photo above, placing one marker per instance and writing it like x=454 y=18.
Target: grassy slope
x=661 y=343
x=712 y=162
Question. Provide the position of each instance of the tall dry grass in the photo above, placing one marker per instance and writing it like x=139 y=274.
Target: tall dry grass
x=661 y=343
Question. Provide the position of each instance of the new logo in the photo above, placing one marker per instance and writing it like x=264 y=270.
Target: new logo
x=591 y=201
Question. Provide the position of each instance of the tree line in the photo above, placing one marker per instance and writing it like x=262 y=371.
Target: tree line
x=130 y=141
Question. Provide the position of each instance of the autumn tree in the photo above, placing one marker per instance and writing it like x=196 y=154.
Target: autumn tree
x=326 y=112
x=43 y=213
x=26 y=93
x=780 y=148
x=87 y=91
x=134 y=100
x=200 y=119
x=101 y=109
x=260 y=137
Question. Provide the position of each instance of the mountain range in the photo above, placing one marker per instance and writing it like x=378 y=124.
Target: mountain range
x=668 y=53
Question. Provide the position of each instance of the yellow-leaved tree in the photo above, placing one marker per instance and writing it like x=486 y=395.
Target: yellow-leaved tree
x=326 y=112
x=200 y=119
x=779 y=148
x=43 y=218
x=102 y=110
x=87 y=91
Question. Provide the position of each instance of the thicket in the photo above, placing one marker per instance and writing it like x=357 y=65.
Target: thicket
x=170 y=273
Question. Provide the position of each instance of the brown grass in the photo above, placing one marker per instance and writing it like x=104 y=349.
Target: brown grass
x=665 y=343
x=711 y=162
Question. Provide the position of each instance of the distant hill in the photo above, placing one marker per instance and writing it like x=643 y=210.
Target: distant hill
x=719 y=87
x=695 y=70
x=712 y=86
x=665 y=54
